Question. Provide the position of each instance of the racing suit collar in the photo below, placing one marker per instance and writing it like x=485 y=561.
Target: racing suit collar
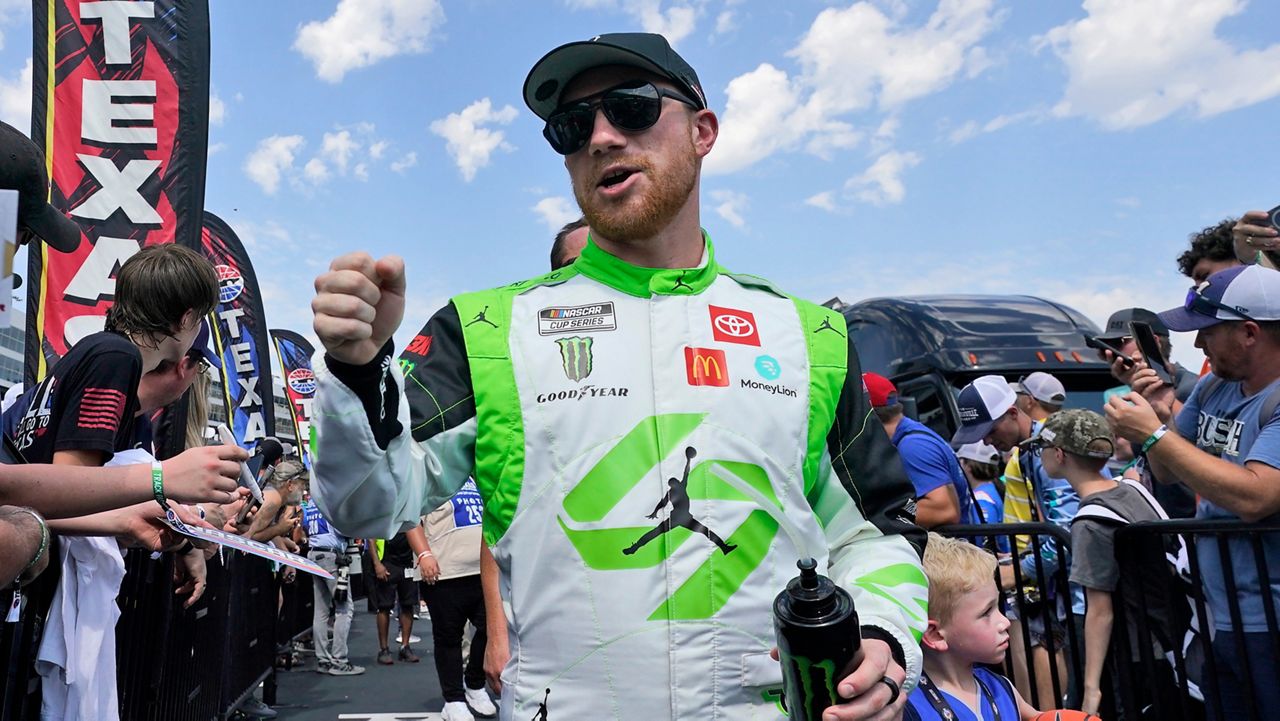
x=598 y=265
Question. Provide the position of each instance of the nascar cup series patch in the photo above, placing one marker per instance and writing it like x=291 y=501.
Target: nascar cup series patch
x=577 y=319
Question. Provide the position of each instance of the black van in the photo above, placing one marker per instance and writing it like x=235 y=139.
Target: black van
x=931 y=346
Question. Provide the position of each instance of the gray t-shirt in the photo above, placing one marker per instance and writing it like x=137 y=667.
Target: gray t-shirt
x=1093 y=555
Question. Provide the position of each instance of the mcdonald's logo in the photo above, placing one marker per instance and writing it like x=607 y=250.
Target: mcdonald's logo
x=706 y=367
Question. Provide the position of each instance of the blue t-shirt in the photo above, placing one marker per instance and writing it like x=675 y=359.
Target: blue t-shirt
x=995 y=694
x=930 y=464
x=991 y=508
x=1225 y=424
x=320 y=534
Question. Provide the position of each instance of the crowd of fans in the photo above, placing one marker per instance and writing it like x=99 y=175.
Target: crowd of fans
x=1185 y=446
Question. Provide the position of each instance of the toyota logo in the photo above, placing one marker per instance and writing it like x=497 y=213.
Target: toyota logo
x=735 y=325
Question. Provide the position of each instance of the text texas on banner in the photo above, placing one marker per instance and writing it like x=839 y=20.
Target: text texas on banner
x=240 y=336
x=120 y=104
x=299 y=384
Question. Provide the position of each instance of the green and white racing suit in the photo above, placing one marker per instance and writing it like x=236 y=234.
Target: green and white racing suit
x=655 y=449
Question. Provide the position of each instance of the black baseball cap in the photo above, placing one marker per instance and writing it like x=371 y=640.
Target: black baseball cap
x=648 y=51
x=22 y=169
x=1118 y=324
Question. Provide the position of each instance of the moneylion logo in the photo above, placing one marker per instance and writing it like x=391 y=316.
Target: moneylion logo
x=575 y=353
x=635 y=459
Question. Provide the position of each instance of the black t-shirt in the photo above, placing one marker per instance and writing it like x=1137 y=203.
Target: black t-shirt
x=87 y=402
x=396 y=551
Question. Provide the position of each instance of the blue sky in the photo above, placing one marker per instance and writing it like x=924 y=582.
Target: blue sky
x=869 y=148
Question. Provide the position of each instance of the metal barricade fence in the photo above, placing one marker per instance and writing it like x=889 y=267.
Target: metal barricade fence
x=172 y=663
x=1175 y=667
x=1038 y=603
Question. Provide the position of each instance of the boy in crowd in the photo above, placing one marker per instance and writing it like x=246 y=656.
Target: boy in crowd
x=1075 y=444
x=966 y=631
x=981 y=465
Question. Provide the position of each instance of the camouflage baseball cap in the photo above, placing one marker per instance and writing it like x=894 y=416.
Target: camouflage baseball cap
x=1077 y=431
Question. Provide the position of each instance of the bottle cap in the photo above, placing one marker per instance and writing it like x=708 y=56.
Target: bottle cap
x=812 y=596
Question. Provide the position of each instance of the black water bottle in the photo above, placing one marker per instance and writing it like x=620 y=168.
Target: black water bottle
x=818 y=634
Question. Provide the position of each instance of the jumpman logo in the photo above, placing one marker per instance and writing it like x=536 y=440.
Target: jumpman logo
x=480 y=318
x=680 y=282
x=826 y=325
x=541 y=714
x=678 y=497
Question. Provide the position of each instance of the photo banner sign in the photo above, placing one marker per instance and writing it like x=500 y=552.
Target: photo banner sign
x=239 y=330
x=295 y=354
x=120 y=106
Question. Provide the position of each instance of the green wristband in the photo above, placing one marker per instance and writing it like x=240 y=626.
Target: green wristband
x=1154 y=438
x=157 y=484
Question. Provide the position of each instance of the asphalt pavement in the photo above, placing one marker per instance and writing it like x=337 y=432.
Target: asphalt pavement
x=400 y=692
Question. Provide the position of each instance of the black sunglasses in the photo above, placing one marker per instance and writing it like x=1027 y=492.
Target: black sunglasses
x=1198 y=303
x=631 y=107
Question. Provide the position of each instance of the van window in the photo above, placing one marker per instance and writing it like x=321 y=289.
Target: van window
x=931 y=408
x=874 y=344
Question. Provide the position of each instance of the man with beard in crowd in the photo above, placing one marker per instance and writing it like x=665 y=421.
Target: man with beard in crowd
x=1225 y=446
x=565 y=393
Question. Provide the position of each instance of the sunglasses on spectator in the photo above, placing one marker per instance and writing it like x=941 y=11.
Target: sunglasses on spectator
x=631 y=107
x=1198 y=303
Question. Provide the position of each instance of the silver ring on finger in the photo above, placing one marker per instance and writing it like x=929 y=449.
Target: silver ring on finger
x=1248 y=240
x=894 y=689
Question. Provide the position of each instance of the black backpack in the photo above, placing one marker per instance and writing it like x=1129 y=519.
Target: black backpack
x=1183 y=627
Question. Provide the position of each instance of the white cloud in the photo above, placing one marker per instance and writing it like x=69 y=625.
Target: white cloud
x=675 y=23
x=15 y=98
x=376 y=150
x=468 y=142
x=1128 y=202
x=1134 y=62
x=968 y=131
x=15 y=12
x=854 y=62
x=556 y=212
x=217 y=109
x=726 y=22
x=409 y=160
x=731 y=206
x=825 y=200
x=338 y=148
x=361 y=172
x=361 y=33
x=315 y=171
x=881 y=184
x=215 y=148
x=273 y=157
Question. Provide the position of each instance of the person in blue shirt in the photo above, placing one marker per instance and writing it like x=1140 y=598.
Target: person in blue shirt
x=1225 y=447
x=966 y=633
x=942 y=491
x=981 y=466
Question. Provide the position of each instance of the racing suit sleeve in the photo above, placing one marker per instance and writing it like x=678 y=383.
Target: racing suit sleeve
x=864 y=500
x=393 y=441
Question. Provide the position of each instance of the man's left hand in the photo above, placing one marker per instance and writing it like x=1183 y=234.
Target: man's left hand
x=189 y=575
x=429 y=568
x=1131 y=417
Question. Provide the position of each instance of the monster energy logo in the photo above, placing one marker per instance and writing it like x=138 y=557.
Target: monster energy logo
x=575 y=353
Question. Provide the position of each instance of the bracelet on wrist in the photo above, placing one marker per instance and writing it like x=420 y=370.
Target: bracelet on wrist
x=44 y=544
x=424 y=553
x=157 y=484
x=1154 y=438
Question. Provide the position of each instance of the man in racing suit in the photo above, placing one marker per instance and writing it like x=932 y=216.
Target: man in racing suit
x=577 y=398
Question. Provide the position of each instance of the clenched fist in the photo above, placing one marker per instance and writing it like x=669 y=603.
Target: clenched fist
x=359 y=304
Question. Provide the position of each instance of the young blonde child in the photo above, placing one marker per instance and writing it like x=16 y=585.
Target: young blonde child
x=966 y=629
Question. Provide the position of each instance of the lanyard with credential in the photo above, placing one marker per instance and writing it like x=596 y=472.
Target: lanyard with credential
x=943 y=708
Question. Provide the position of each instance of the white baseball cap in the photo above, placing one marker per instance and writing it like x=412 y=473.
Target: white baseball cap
x=1043 y=387
x=1242 y=292
x=979 y=452
x=981 y=403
